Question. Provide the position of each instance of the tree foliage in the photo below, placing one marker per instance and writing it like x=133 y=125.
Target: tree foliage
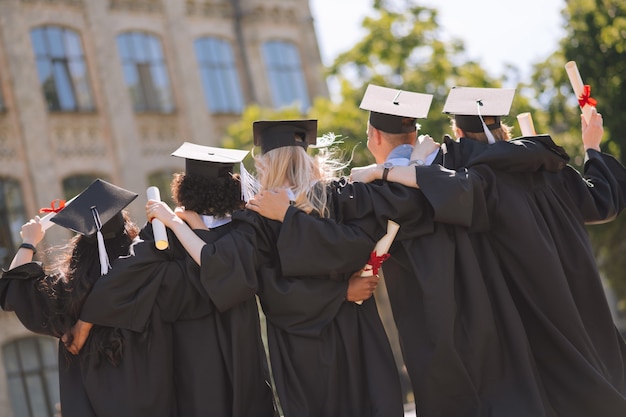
x=596 y=40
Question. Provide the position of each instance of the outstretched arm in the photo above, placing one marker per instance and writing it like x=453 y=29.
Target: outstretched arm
x=32 y=233
x=190 y=241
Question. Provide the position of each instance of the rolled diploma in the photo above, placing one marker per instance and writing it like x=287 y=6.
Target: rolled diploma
x=46 y=221
x=158 y=228
x=525 y=121
x=382 y=247
x=577 y=84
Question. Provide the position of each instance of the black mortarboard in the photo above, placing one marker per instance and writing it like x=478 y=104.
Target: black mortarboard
x=471 y=106
x=272 y=134
x=395 y=111
x=208 y=161
x=97 y=210
x=105 y=198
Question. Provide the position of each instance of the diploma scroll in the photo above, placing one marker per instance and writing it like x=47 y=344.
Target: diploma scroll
x=46 y=221
x=582 y=91
x=526 y=125
x=158 y=228
x=380 y=252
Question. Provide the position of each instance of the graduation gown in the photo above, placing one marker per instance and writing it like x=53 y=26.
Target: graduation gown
x=329 y=357
x=141 y=385
x=533 y=223
x=218 y=358
x=462 y=340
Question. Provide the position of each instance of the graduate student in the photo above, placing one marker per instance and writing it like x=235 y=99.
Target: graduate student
x=330 y=357
x=459 y=340
x=532 y=222
x=119 y=372
x=220 y=366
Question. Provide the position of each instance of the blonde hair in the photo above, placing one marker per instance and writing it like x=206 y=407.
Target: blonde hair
x=307 y=176
x=503 y=133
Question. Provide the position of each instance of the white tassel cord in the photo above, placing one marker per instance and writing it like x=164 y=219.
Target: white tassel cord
x=102 y=251
x=490 y=137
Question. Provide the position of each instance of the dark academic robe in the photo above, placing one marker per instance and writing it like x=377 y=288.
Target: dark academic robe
x=533 y=223
x=219 y=362
x=329 y=357
x=463 y=342
x=141 y=385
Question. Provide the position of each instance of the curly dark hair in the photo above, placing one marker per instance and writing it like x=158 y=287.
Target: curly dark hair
x=208 y=196
x=79 y=269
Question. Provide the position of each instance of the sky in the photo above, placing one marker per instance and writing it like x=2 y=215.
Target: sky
x=495 y=32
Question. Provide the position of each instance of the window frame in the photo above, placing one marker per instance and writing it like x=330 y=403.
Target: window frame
x=62 y=69
x=285 y=74
x=219 y=75
x=145 y=72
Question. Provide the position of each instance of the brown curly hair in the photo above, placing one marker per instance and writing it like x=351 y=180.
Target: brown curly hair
x=208 y=196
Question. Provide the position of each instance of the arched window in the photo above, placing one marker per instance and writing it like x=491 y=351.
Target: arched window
x=163 y=180
x=284 y=70
x=218 y=71
x=62 y=69
x=12 y=217
x=145 y=72
x=2 y=105
x=72 y=186
x=32 y=370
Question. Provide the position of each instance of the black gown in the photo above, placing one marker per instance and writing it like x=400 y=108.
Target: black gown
x=463 y=341
x=141 y=385
x=534 y=223
x=219 y=362
x=329 y=357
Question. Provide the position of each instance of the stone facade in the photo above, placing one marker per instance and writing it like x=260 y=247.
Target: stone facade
x=39 y=148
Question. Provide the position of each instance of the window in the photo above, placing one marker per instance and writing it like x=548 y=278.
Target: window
x=32 y=376
x=220 y=82
x=12 y=217
x=163 y=180
x=62 y=69
x=145 y=72
x=2 y=105
x=74 y=185
x=284 y=70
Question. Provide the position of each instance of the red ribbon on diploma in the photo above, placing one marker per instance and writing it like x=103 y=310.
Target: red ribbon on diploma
x=585 y=97
x=376 y=261
x=53 y=209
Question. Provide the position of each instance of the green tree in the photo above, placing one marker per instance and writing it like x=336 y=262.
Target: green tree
x=596 y=40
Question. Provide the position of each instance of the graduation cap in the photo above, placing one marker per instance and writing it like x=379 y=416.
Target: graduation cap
x=479 y=109
x=208 y=161
x=272 y=134
x=395 y=111
x=97 y=210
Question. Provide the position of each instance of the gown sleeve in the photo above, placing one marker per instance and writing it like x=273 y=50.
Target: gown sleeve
x=125 y=297
x=20 y=292
x=310 y=245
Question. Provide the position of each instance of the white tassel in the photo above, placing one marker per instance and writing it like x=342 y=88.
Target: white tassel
x=102 y=250
x=490 y=137
x=249 y=184
x=104 y=257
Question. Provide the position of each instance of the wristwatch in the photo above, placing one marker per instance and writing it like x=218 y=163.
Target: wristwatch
x=418 y=162
x=387 y=166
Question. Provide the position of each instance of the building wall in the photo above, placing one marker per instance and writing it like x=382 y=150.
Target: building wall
x=39 y=148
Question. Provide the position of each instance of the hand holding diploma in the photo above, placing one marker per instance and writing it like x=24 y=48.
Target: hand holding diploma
x=583 y=92
x=158 y=228
x=55 y=207
x=380 y=252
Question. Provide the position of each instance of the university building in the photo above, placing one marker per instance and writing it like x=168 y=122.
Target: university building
x=108 y=89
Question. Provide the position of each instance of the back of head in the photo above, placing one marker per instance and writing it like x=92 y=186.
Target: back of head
x=478 y=111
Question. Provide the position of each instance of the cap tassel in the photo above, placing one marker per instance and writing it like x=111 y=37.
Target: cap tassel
x=249 y=184
x=490 y=137
x=102 y=251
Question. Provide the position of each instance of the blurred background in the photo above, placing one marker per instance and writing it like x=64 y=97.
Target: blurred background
x=109 y=88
